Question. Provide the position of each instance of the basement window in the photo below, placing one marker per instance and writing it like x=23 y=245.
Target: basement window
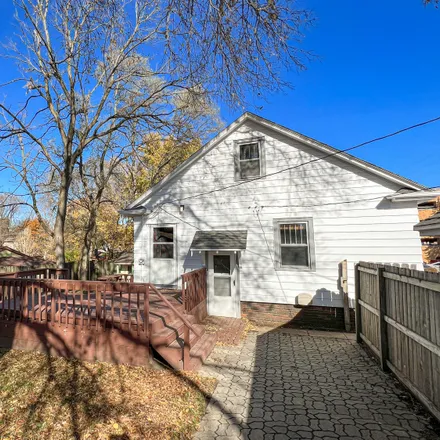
x=163 y=242
x=294 y=243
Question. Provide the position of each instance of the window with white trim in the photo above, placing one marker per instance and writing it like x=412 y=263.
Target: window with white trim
x=249 y=159
x=295 y=244
x=163 y=242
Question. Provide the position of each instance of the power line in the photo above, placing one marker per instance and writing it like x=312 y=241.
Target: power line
x=344 y=202
x=335 y=153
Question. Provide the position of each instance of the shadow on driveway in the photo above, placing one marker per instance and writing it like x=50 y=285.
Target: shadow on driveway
x=300 y=384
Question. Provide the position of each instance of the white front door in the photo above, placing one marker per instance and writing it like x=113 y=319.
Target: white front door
x=163 y=261
x=223 y=278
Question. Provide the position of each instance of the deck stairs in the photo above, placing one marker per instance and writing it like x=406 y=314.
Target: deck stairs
x=167 y=335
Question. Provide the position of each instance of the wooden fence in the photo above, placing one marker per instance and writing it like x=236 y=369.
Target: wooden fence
x=398 y=318
x=194 y=292
x=44 y=273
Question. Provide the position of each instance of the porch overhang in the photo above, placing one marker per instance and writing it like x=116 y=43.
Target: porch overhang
x=219 y=240
x=413 y=196
x=430 y=226
x=133 y=212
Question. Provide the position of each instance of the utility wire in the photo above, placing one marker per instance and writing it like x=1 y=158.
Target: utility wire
x=335 y=153
x=344 y=202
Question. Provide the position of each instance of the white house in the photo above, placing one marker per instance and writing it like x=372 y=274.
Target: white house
x=271 y=213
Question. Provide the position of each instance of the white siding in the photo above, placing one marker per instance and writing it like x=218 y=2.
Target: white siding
x=369 y=229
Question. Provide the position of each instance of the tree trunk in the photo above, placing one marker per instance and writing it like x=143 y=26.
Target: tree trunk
x=60 y=221
x=59 y=235
x=87 y=245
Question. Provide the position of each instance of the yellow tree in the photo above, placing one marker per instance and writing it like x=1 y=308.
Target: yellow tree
x=158 y=157
x=105 y=187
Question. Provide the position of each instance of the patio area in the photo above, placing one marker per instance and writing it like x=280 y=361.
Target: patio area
x=297 y=384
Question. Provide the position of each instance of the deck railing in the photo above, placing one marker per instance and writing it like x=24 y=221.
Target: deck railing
x=194 y=289
x=90 y=306
x=85 y=304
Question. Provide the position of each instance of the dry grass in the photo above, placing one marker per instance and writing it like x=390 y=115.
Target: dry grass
x=55 y=398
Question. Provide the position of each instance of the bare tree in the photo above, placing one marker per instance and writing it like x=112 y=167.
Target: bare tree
x=94 y=69
x=9 y=209
x=88 y=194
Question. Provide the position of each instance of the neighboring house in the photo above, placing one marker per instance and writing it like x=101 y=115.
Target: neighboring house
x=12 y=260
x=430 y=240
x=124 y=263
x=429 y=227
x=271 y=213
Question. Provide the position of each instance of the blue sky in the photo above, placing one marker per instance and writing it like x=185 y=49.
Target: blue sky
x=378 y=71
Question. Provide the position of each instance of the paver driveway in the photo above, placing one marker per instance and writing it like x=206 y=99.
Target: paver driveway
x=306 y=385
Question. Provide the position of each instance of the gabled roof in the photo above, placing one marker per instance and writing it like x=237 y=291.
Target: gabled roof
x=318 y=146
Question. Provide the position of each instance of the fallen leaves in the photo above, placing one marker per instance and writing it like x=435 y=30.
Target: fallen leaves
x=56 y=398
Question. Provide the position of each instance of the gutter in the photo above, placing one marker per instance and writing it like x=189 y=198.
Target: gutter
x=416 y=196
x=134 y=212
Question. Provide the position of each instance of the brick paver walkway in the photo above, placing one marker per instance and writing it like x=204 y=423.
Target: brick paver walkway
x=230 y=331
x=293 y=384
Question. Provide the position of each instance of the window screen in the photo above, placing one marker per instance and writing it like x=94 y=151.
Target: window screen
x=163 y=242
x=222 y=286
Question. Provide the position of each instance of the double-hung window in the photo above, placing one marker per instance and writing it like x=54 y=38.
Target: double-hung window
x=249 y=159
x=294 y=244
x=163 y=242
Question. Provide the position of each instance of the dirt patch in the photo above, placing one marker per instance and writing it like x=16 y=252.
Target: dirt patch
x=56 y=398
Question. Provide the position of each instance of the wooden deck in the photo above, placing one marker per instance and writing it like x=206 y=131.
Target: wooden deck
x=109 y=321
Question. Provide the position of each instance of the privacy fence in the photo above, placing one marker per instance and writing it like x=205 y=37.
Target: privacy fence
x=398 y=318
x=44 y=273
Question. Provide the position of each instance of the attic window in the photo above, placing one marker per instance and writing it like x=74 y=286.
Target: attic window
x=249 y=157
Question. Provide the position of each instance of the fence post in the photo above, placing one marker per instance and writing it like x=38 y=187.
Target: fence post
x=186 y=348
x=383 y=335
x=344 y=287
x=357 y=306
x=184 y=293
x=98 y=307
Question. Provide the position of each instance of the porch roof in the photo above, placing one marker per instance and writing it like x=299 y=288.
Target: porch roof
x=429 y=226
x=216 y=240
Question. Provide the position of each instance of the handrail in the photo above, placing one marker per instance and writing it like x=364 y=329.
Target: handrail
x=180 y=315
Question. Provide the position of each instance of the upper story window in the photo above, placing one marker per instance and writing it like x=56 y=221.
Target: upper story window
x=163 y=242
x=294 y=244
x=249 y=159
